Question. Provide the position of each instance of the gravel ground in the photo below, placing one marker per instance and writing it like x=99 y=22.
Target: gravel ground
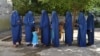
x=6 y=49
x=74 y=50
x=71 y=51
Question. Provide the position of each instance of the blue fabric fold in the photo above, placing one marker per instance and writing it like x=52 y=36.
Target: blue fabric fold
x=82 y=30
x=68 y=29
x=55 y=28
x=90 y=28
x=45 y=28
x=16 y=24
x=29 y=24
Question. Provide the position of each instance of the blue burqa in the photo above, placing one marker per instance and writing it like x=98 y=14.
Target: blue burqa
x=82 y=30
x=45 y=28
x=55 y=29
x=29 y=24
x=68 y=29
x=90 y=29
x=16 y=27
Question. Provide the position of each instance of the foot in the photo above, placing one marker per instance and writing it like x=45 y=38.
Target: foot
x=66 y=44
x=20 y=43
x=29 y=44
x=88 y=44
x=34 y=47
x=37 y=45
x=69 y=44
x=15 y=46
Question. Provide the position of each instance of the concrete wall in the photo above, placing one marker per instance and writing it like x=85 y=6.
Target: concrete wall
x=5 y=11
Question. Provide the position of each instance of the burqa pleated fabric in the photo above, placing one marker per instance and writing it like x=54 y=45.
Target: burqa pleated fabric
x=82 y=30
x=55 y=29
x=29 y=24
x=16 y=27
x=90 y=29
x=68 y=29
x=45 y=28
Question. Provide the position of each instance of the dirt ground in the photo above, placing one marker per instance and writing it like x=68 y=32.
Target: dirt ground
x=6 y=49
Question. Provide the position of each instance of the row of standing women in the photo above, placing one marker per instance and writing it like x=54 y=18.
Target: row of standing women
x=48 y=35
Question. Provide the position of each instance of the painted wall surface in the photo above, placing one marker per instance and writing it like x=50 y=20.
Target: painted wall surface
x=5 y=12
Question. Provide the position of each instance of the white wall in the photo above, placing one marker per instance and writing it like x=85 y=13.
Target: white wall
x=5 y=11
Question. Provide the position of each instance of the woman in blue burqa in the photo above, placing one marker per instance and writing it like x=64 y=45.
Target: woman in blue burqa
x=29 y=24
x=45 y=28
x=55 y=29
x=90 y=29
x=16 y=23
x=68 y=29
x=82 y=27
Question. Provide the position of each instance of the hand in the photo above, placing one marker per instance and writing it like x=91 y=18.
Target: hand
x=77 y=24
x=90 y=30
x=33 y=22
x=18 y=21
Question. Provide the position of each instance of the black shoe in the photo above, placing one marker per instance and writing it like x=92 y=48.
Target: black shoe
x=29 y=45
x=20 y=43
x=37 y=45
x=69 y=44
x=88 y=44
